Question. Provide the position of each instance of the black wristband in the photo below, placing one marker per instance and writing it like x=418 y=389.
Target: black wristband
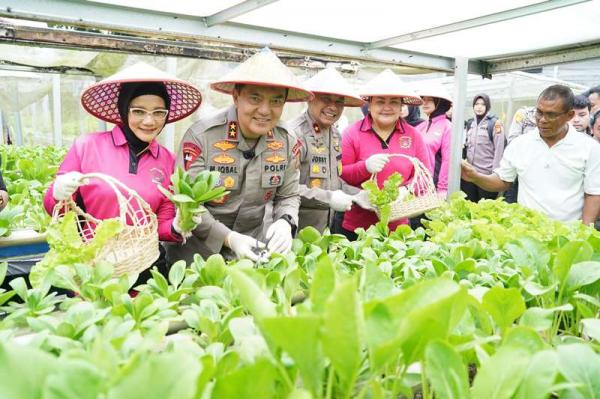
x=290 y=221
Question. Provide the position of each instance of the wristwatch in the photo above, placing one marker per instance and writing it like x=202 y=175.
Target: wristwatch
x=290 y=221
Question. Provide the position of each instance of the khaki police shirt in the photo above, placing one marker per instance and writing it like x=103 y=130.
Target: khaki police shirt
x=271 y=175
x=320 y=169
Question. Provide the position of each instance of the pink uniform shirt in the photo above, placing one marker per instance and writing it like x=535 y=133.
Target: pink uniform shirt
x=108 y=153
x=437 y=139
x=359 y=142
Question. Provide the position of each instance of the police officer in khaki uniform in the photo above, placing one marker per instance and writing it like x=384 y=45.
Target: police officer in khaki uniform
x=484 y=146
x=322 y=191
x=258 y=161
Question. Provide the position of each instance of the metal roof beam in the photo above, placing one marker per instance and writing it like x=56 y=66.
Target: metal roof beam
x=475 y=22
x=178 y=26
x=235 y=11
x=553 y=57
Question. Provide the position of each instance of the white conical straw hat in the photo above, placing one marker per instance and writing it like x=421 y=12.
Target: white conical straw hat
x=388 y=84
x=263 y=69
x=432 y=89
x=329 y=81
x=100 y=99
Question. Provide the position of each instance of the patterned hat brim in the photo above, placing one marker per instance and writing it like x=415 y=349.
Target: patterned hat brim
x=100 y=99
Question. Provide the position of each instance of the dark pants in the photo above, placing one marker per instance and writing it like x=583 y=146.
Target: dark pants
x=476 y=193
x=512 y=193
x=350 y=235
x=336 y=223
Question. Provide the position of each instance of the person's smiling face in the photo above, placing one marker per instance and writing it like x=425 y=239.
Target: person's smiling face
x=259 y=108
x=147 y=116
x=326 y=109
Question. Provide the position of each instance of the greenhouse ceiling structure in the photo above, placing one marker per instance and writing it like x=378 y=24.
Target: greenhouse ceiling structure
x=495 y=36
x=460 y=37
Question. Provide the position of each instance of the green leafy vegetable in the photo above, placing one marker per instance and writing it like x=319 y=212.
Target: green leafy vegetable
x=190 y=192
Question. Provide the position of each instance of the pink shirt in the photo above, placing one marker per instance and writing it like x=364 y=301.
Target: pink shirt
x=359 y=142
x=108 y=153
x=437 y=139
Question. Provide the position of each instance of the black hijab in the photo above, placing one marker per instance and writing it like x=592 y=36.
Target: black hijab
x=486 y=101
x=414 y=115
x=441 y=107
x=128 y=92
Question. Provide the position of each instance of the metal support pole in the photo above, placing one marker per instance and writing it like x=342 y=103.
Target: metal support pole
x=169 y=130
x=510 y=106
x=56 y=110
x=458 y=122
x=18 y=129
x=2 y=131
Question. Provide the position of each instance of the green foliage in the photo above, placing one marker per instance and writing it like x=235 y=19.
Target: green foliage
x=332 y=319
x=188 y=193
x=27 y=172
x=68 y=248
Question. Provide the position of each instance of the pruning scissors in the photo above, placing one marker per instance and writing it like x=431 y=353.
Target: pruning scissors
x=262 y=252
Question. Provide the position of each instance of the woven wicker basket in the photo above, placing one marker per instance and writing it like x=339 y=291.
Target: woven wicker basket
x=135 y=248
x=421 y=187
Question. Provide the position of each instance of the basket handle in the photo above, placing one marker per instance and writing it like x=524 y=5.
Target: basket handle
x=420 y=171
x=118 y=189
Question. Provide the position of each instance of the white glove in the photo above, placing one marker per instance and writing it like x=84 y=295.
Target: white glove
x=197 y=219
x=340 y=201
x=362 y=199
x=375 y=163
x=65 y=185
x=279 y=237
x=242 y=246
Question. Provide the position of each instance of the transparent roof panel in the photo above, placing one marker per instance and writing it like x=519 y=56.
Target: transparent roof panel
x=368 y=21
x=561 y=27
x=200 y=8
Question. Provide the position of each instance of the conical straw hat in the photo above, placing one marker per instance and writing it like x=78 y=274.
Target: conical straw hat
x=432 y=89
x=263 y=69
x=329 y=81
x=388 y=84
x=100 y=99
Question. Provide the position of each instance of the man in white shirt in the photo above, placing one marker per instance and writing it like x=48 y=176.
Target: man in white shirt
x=558 y=168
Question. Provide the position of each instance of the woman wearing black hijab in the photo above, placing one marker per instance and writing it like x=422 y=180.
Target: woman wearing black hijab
x=484 y=145
x=139 y=101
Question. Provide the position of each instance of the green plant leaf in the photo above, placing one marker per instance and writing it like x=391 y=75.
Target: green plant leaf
x=591 y=328
x=571 y=253
x=407 y=321
x=342 y=333
x=581 y=274
x=540 y=319
x=579 y=364
x=18 y=379
x=446 y=371
x=299 y=338
x=539 y=377
x=505 y=305
x=377 y=284
x=251 y=296
x=75 y=380
x=177 y=273
x=501 y=375
x=257 y=380
x=158 y=376
x=323 y=282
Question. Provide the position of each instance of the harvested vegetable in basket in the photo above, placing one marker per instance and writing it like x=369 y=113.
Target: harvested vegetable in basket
x=190 y=192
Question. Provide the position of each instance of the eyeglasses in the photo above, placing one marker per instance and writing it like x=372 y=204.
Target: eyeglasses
x=549 y=116
x=157 y=114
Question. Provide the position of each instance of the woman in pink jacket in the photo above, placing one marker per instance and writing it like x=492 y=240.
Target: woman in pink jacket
x=436 y=131
x=139 y=101
x=368 y=144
